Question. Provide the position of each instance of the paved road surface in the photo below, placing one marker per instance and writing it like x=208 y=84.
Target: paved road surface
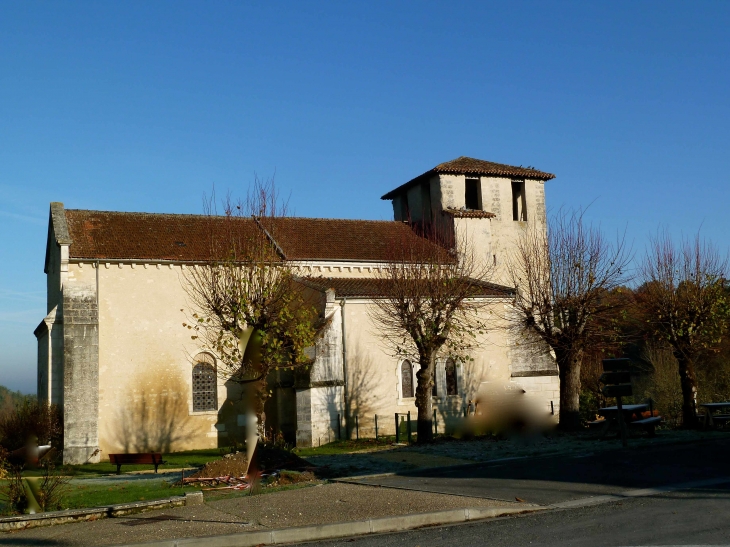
x=693 y=517
x=555 y=479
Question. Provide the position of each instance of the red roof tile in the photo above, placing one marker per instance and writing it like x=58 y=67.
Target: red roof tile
x=469 y=213
x=150 y=236
x=145 y=236
x=472 y=166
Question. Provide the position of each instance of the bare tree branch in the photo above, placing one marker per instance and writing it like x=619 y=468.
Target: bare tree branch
x=436 y=291
x=247 y=308
x=565 y=277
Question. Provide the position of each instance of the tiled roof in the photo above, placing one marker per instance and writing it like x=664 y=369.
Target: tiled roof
x=365 y=287
x=469 y=213
x=472 y=166
x=99 y=235
x=145 y=236
x=340 y=239
x=464 y=165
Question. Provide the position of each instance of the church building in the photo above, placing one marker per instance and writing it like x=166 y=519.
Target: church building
x=114 y=355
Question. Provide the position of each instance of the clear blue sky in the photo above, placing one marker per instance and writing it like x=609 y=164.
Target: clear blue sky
x=143 y=106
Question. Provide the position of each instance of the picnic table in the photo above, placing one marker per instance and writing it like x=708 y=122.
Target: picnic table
x=610 y=413
x=713 y=420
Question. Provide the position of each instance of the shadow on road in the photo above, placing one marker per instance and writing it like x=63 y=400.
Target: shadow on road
x=561 y=478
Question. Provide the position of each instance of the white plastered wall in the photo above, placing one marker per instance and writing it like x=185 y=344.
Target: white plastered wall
x=145 y=363
x=374 y=373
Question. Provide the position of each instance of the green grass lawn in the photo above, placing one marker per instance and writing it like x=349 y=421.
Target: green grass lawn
x=82 y=494
x=345 y=447
x=79 y=495
x=174 y=460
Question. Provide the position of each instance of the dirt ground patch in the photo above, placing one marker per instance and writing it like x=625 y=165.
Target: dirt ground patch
x=264 y=459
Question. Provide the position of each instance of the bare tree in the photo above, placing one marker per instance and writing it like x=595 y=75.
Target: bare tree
x=685 y=304
x=565 y=277
x=248 y=309
x=436 y=288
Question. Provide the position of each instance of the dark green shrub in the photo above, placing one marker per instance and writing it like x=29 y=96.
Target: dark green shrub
x=31 y=421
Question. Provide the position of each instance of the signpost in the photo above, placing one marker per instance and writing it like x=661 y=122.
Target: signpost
x=616 y=378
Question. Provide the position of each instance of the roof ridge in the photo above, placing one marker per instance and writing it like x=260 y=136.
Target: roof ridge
x=198 y=215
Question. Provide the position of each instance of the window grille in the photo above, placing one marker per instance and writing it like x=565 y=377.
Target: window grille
x=205 y=387
x=406 y=373
x=451 y=387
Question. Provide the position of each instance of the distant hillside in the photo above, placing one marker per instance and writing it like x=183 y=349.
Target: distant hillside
x=8 y=399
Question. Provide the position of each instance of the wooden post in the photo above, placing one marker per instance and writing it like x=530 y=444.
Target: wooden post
x=357 y=428
x=435 y=424
x=621 y=424
x=409 y=427
x=339 y=431
x=376 y=427
x=397 y=429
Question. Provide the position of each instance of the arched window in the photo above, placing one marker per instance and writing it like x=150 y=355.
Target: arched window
x=451 y=387
x=406 y=379
x=205 y=384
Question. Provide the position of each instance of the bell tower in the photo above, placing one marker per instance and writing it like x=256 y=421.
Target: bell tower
x=490 y=203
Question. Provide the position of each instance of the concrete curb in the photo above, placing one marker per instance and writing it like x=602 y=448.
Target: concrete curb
x=49 y=518
x=342 y=529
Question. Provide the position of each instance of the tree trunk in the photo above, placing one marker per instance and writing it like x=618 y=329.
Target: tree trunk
x=424 y=401
x=688 y=381
x=569 y=363
x=255 y=395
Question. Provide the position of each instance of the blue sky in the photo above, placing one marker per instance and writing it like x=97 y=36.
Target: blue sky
x=144 y=106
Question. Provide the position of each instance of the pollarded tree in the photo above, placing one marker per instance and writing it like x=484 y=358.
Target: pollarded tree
x=435 y=291
x=684 y=304
x=247 y=308
x=566 y=277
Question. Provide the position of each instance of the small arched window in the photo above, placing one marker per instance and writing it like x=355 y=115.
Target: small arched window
x=451 y=387
x=205 y=384
x=406 y=379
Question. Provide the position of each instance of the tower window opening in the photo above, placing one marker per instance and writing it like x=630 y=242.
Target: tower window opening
x=519 y=206
x=472 y=197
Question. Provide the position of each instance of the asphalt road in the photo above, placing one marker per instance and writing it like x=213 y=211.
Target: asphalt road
x=690 y=517
x=550 y=480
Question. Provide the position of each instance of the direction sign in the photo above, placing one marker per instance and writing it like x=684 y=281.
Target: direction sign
x=620 y=390
x=616 y=365
x=622 y=377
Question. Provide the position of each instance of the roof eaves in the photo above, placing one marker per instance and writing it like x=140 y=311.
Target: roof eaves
x=393 y=193
x=448 y=168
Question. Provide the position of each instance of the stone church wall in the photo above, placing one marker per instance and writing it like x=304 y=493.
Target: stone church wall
x=80 y=376
x=145 y=364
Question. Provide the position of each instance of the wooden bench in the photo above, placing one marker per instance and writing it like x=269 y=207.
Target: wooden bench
x=720 y=419
x=647 y=424
x=135 y=459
